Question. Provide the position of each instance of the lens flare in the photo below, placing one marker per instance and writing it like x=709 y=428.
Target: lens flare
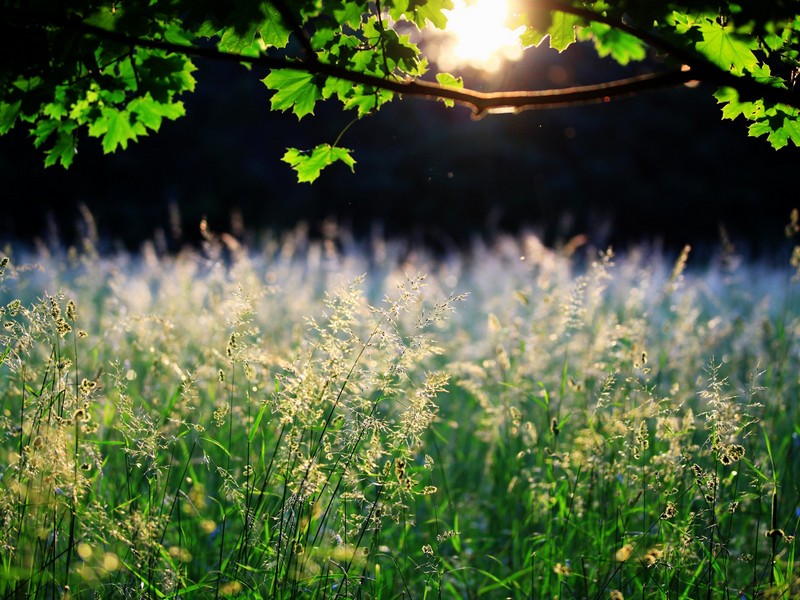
x=478 y=35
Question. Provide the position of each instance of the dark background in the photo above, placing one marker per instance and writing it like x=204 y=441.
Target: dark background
x=660 y=166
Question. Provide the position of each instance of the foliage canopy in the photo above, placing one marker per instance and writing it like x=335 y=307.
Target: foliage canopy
x=116 y=69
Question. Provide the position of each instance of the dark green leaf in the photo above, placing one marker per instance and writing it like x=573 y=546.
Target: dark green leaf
x=44 y=129
x=150 y=113
x=63 y=150
x=253 y=28
x=8 y=115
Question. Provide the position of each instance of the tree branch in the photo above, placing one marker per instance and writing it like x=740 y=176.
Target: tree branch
x=482 y=103
x=701 y=68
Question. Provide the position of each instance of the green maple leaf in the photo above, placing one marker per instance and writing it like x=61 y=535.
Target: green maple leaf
x=309 y=164
x=773 y=41
x=433 y=12
x=254 y=28
x=341 y=88
x=150 y=113
x=120 y=131
x=116 y=129
x=271 y=29
x=562 y=30
x=733 y=107
x=779 y=138
x=44 y=129
x=396 y=51
x=176 y=34
x=8 y=115
x=368 y=61
x=293 y=89
x=56 y=110
x=751 y=110
x=420 y=11
x=759 y=128
x=399 y=7
x=163 y=75
x=365 y=99
x=531 y=37
x=780 y=125
x=682 y=22
x=349 y=12
x=791 y=128
x=450 y=81
x=725 y=49
x=622 y=46
x=63 y=150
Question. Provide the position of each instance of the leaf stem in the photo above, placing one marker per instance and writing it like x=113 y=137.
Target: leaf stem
x=344 y=130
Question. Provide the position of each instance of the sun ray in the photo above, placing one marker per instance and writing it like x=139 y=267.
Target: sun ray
x=478 y=35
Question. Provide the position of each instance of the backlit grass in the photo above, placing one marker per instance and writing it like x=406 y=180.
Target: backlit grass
x=307 y=420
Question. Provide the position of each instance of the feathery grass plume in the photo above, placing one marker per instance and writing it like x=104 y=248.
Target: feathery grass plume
x=676 y=277
x=792 y=229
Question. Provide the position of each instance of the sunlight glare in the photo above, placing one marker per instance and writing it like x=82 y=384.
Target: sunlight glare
x=478 y=35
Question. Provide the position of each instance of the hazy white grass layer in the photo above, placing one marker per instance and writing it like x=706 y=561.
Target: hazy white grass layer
x=313 y=420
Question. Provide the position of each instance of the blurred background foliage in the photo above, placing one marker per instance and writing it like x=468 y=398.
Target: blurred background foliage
x=662 y=167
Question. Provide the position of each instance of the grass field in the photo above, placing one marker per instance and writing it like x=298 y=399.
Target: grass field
x=307 y=420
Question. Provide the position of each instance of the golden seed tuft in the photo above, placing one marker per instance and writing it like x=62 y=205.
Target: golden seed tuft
x=72 y=312
x=652 y=556
x=230 y=588
x=670 y=511
x=563 y=570
x=624 y=553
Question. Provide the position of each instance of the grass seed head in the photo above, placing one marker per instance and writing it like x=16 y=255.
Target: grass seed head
x=624 y=553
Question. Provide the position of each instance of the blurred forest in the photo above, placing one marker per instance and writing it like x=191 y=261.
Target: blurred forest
x=661 y=166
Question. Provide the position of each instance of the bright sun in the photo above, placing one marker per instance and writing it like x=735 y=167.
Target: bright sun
x=478 y=35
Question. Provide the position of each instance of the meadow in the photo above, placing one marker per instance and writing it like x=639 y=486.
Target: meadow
x=319 y=419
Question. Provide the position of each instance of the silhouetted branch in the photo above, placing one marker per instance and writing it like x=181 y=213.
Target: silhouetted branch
x=482 y=102
x=701 y=68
